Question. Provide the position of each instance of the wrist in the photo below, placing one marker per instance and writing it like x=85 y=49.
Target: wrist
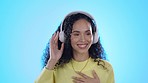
x=51 y=64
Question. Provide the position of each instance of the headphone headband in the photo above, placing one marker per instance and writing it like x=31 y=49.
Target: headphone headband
x=75 y=12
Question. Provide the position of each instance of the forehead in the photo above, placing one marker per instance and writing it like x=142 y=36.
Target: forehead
x=81 y=25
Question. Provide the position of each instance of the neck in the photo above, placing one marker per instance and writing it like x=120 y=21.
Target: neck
x=80 y=56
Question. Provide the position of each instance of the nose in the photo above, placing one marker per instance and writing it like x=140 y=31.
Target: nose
x=82 y=38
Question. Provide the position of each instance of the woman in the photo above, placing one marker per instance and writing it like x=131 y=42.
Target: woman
x=75 y=54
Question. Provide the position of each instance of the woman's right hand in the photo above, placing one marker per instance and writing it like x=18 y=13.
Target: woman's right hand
x=55 y=53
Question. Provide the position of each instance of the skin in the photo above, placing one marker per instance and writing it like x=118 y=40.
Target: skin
x=81 y=40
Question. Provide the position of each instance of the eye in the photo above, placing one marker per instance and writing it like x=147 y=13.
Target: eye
x=88 y=33
x=76 y=34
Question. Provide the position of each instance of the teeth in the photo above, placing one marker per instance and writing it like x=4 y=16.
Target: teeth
x=82 y=46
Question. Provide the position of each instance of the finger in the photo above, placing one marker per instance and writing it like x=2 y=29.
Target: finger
x=52 y=39
x=56 y=37
x=75 y=81
x=78 y=79
x=83 y=75
x=95 y=74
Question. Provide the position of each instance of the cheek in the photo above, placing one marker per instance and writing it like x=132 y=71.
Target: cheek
x=90 y=38
x=73 y=40
x=73 y=43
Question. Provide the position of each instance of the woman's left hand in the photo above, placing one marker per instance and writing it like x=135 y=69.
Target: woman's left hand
x=86 y=79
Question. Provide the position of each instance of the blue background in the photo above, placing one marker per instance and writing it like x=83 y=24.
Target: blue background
x=27 y=25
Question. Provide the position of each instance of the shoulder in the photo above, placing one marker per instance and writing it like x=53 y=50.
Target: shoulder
x=104 y=64
x=107 y=64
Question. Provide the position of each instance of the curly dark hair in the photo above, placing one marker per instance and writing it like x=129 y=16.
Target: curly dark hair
x=96 y=50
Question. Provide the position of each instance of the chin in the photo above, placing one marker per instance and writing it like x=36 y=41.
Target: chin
x=82 y=51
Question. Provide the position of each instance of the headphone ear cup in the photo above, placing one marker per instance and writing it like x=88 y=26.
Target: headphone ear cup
x=95 y=38
x=61 y=36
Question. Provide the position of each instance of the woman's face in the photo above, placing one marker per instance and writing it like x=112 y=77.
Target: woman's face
x=81 y=36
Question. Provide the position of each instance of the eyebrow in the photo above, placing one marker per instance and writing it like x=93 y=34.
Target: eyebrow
x=79 y=31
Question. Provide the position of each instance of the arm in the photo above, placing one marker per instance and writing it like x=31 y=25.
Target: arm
x=46 y=76
x=111 y=78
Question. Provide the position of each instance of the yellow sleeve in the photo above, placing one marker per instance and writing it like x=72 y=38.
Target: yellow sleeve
x=111 y=78
x=46 y=76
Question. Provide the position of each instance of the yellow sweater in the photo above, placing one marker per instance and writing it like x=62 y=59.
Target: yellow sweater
x=64 y=74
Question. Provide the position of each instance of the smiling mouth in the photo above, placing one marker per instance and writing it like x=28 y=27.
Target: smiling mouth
x=82 y=46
